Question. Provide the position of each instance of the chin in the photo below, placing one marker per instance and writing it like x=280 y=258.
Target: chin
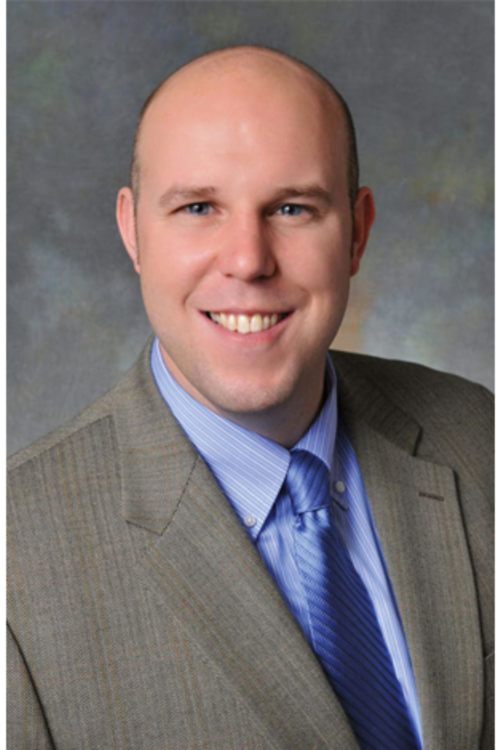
x=239 y=398
x=238 y=394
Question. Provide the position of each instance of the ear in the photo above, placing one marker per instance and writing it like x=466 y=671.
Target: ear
x=125 y=216
x=364 y=216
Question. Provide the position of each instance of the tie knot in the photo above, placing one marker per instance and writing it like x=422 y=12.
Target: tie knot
x=308 y=482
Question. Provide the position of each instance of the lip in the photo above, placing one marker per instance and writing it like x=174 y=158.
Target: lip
x=247 y=339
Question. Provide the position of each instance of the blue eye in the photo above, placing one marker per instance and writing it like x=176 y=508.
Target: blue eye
x=198 y=209
x=291 y=209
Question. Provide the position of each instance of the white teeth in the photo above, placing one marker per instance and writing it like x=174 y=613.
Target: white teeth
x=256 y=323
x=243 y=324
x=246 y=323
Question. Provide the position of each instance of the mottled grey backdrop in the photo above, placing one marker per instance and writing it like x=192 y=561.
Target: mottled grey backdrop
x=419 y=79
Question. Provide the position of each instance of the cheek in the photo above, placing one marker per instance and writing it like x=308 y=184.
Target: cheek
x=324 y=267
x=164 y=279
x=170 y=264
x=325 y=277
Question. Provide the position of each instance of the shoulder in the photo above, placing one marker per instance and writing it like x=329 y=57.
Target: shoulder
x=44 y=481
x=85 y=420
x=76 y=465
x=91 y=420
x=422 y=392
x=41 y=469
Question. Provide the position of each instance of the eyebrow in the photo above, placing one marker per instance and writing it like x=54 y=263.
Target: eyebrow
x=180 y=193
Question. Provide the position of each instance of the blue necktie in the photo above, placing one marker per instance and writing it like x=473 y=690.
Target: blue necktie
x=345 y=634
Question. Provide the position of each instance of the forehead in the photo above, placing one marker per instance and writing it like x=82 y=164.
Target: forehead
x=255 y=105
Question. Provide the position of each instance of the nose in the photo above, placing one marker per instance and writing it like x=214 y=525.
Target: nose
x=246 y=252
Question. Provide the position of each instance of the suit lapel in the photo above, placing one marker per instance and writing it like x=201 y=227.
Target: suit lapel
x=212 y=578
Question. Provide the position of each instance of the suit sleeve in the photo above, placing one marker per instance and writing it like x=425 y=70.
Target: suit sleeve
x=26 y=725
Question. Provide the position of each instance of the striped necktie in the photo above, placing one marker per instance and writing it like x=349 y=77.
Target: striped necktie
x=344 y=630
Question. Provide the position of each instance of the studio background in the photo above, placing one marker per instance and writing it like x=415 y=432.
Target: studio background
x=418 y=77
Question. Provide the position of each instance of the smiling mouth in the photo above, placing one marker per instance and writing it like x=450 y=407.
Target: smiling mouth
x=246 y=323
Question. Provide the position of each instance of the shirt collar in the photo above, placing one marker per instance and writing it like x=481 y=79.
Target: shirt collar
x=249 y=468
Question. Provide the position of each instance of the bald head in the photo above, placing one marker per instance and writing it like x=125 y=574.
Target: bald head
x=247 y=66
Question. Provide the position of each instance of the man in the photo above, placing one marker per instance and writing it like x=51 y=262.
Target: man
x=243 y=546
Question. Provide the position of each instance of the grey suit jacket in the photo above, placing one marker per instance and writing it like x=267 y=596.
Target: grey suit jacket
x=142 y=617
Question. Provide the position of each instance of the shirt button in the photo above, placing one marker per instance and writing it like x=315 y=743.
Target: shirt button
x=340 y=487
x=250 y=521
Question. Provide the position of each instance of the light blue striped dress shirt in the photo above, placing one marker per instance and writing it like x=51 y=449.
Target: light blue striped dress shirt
x=251 y=471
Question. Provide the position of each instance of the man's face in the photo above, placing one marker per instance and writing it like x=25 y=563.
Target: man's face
x=243 y=221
